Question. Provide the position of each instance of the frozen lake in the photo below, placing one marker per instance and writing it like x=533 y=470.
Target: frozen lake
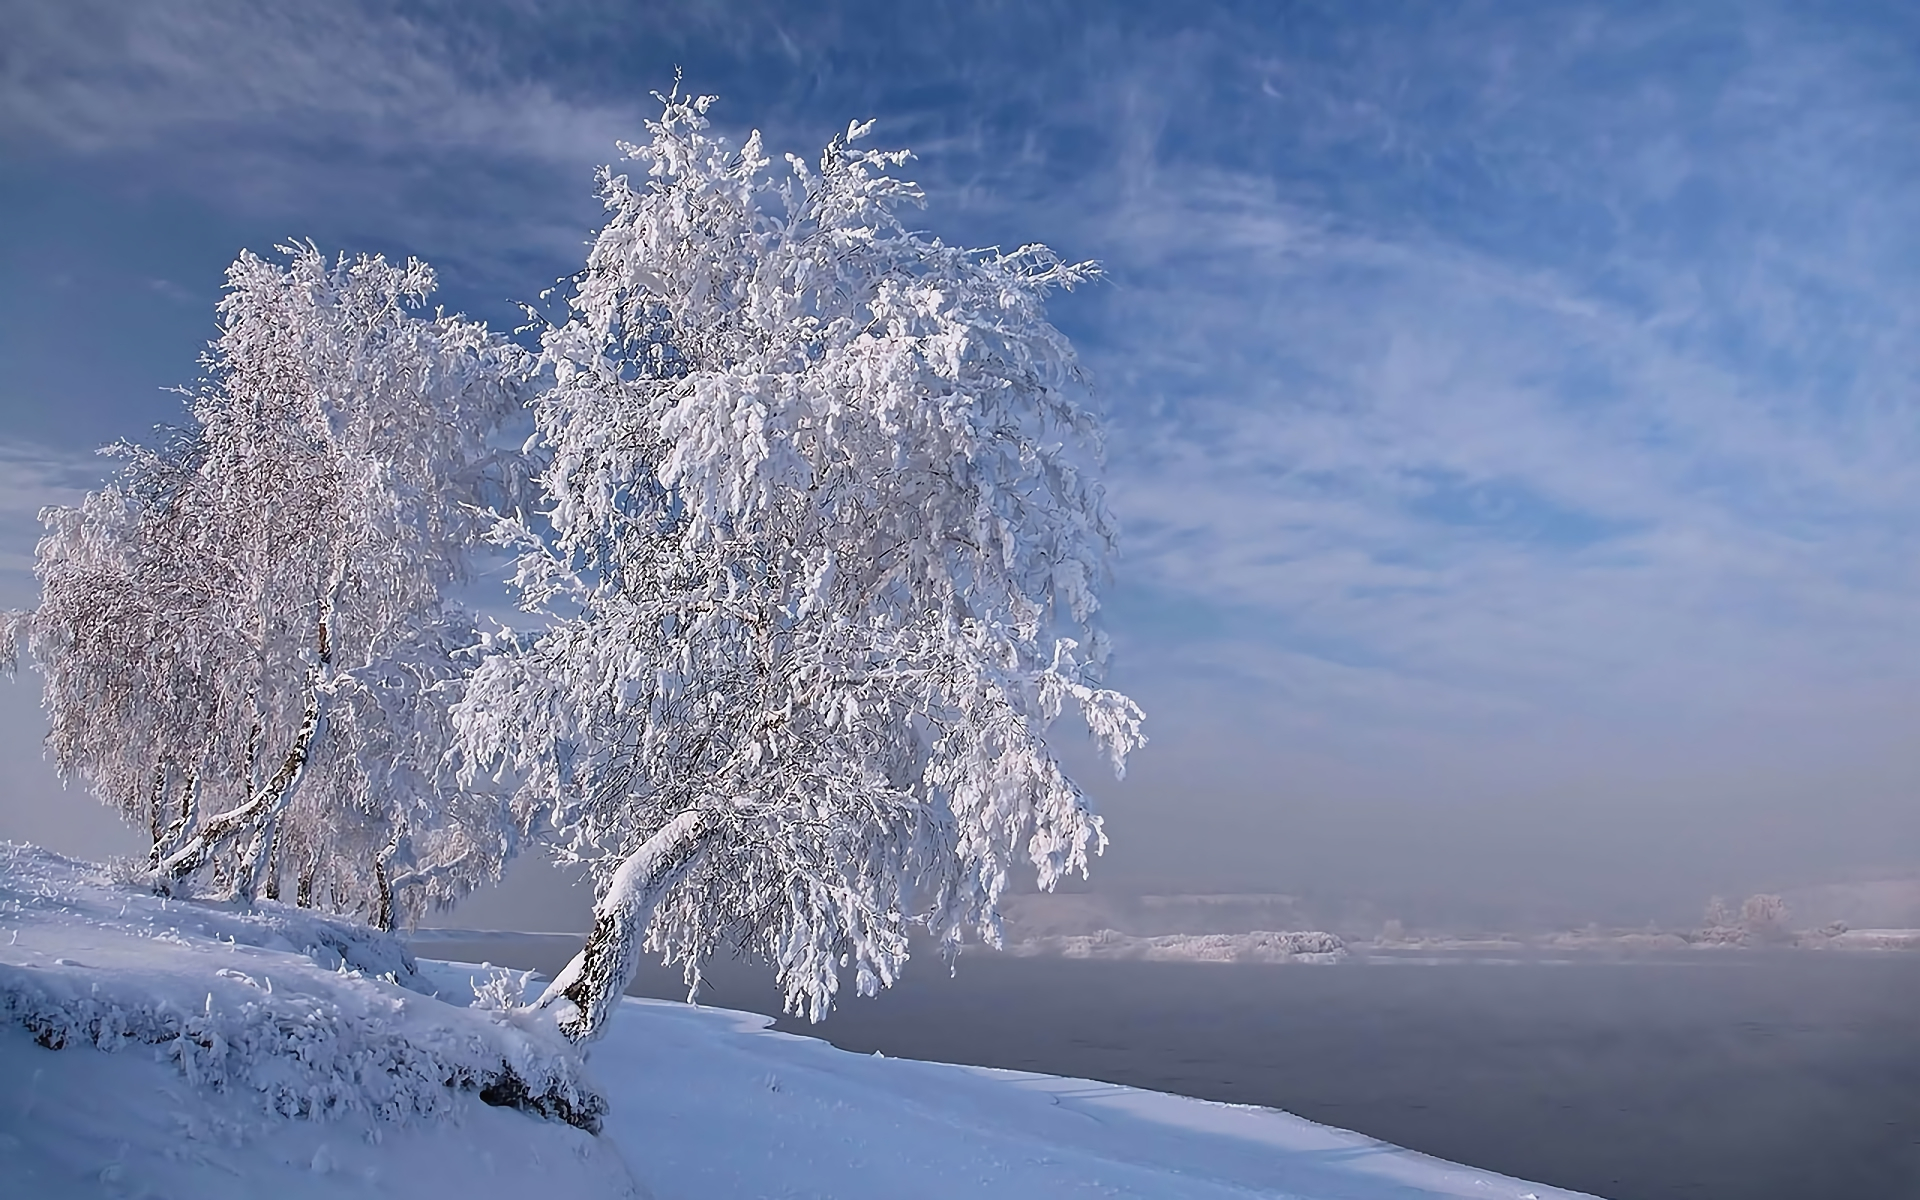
x=1731 y=1076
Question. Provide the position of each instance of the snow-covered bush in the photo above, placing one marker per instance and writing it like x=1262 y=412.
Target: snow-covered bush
x=316 y=1017
x=1718 y=915
x=819 y=561
x=503 y=989
x=1764 y=917
x=244 y=638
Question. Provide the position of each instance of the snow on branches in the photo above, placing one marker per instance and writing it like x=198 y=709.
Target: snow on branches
x=819 y=564
x=244 y=638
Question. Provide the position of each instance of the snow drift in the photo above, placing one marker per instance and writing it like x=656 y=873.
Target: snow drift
x=309 y=1016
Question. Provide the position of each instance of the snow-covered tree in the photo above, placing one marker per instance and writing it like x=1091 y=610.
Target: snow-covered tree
x=818 y=562
x=1764 y=916
x=245 y=638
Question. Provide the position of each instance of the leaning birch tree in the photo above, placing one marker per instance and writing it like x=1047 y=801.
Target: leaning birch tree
x=816 y=573
x=245 y=639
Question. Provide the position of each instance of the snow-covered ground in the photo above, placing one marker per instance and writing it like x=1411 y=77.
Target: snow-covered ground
x=187 y=1032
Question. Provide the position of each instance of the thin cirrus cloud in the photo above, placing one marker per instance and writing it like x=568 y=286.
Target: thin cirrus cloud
x=101 y=77
x=1515 y=464
x=1469 y=371
x=355 y=120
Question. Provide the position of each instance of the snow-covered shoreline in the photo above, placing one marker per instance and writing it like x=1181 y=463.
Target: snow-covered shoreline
x=209 y=1052
x=1259 y=946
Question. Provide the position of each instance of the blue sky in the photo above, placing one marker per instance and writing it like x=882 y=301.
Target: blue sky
x=1512 y=408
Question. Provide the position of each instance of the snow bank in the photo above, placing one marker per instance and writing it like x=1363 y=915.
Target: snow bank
x=1260 y=946
x=1876 y=939
x=307 y=1016
x=712 y=1104
x=85 y=1124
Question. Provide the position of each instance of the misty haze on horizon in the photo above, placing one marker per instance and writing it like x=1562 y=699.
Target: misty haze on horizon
x=1512 y=416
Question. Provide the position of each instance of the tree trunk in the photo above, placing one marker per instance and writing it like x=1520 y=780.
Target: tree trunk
x=261 y=810
x=156 y=821
x=182 y=821
x=396 y=855
x=594 y=981
x=273 y=865
x=259 y=813
x=383 y=898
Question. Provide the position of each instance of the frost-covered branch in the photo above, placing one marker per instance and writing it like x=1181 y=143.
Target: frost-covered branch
x=13 y=623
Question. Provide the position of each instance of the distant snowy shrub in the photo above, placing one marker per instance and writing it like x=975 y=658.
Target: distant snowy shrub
x=127 y=871
x=1764 y=916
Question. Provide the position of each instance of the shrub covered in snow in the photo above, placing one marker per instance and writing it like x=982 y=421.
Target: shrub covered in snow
x=317 y=1017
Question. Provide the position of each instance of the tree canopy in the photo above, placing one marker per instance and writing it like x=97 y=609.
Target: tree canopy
x=816 y=574
x=812 y=577
x=245 y=637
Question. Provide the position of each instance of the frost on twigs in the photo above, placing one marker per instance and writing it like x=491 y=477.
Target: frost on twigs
x=12 y=624
x=244 y=637
x=502 y=990
x=818 y=563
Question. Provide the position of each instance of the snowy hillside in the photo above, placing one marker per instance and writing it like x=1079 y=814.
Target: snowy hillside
x=207 y=1052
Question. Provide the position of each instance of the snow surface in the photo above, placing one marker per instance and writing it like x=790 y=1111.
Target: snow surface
x=737 y=1110
x=189 y=1032
x=311 y=1016
x=82 y=1123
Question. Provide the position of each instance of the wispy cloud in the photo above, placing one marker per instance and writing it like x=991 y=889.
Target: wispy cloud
x=105 y=77
x=1508 y=352
x=350 y=117
x=1475 y=374
x=1646 y=445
